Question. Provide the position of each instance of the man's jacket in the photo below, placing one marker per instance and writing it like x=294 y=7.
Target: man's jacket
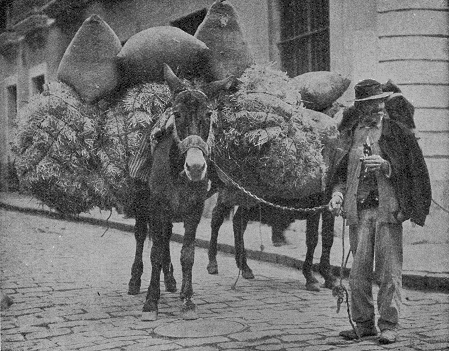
x=410 y=177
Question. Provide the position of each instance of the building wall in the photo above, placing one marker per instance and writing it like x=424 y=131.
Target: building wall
x=414 y=41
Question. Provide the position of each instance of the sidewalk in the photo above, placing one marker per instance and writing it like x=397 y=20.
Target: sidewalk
x=426 y=259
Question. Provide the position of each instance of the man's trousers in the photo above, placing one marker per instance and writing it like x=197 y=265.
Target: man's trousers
x=379 y=246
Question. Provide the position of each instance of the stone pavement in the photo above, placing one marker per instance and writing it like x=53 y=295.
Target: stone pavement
x=69 y=284
x=426 y=257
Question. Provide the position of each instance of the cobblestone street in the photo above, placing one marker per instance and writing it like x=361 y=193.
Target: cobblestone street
x=69 y=283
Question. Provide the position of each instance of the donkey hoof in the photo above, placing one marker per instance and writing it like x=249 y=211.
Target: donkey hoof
x=170 y=284
x=212 y=267
x=313 y=286
x=133 y=289
x=149 y=311
x=188 y=311
x=247 y=273
x=329 y=284
x=149 y=316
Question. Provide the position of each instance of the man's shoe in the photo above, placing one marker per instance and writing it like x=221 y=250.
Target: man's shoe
x=388 y=336
x=363 y=331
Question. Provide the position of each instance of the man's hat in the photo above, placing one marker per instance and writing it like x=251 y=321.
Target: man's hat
x=369 y=89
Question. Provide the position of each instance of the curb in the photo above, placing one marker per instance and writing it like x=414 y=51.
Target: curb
x=428 y=282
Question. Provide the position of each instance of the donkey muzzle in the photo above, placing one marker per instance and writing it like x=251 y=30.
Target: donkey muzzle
x=195 y=166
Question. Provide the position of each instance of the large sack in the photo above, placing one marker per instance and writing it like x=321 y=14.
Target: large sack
x=88 y=64
x=321 y=88
x=222 y=33
x=397 y=105
x=142 y=57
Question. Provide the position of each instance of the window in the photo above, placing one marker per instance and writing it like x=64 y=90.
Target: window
x=304 y=44
x=37 y=84
x=11 y=103
x=191 y=22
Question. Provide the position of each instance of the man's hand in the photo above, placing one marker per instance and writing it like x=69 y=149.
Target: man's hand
x=375 y=163
x=335 y=204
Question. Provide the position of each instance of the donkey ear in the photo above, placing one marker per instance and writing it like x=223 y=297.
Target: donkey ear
x=174 y=83
x=215 y=87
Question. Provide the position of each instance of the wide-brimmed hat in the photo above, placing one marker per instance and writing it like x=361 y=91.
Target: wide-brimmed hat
x=369 y=89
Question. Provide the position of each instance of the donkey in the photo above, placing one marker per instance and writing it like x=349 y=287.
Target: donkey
x=178 y=183
x=279 y=220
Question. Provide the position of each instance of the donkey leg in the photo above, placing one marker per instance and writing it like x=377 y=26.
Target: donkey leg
x=327 y=240
x=188 y=310
x=312 y=223
x=150 y=308
x=140 y=233
x=239 y=224
x=218 y=215
x=167 y=267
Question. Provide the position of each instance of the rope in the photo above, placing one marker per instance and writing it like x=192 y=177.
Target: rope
x=436 y=203
x=262 y=247
x=340 y=291
x=309 y=210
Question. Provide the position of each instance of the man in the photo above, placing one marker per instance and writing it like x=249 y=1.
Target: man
x=380 y=179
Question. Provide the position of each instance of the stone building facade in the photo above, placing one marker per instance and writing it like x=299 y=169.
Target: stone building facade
x=403 y=40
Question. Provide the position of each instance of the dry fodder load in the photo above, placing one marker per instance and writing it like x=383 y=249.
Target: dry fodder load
x=271 y=142
x=142 y=57
x=89 y=62
x=73 y=156
x=320 y=89
x=222 y=33
x=55 y=138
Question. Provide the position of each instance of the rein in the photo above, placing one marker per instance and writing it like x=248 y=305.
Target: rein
x=309 y=210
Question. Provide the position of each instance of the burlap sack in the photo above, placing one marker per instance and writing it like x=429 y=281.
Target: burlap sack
x=88 y=64
x=222 y=33
x=142 y=57
x=321 y=88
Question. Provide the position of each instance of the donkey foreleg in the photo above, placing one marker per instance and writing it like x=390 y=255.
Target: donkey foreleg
x=140 y=233
x=150 y=308
x=167 y=267
x=188 y=310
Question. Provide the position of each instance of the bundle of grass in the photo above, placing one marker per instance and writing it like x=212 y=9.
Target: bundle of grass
x=54 y=144
x=266 y=139
x=73 y=156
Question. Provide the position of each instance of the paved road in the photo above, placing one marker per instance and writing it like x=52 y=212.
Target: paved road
x=69 y=286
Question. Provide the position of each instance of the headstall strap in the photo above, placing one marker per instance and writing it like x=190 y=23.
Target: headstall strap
x=194 y=141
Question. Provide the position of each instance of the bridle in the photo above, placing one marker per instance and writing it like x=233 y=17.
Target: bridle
x=196 y=140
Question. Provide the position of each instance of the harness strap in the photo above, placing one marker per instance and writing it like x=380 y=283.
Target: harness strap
x=194 y=141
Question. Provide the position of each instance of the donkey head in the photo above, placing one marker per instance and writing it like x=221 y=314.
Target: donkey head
x=193 y=122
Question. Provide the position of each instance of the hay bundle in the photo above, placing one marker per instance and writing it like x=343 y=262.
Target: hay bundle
x=73 y=156
x=266 y=139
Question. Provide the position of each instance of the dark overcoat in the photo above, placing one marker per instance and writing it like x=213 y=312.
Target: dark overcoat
x=410 y=176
